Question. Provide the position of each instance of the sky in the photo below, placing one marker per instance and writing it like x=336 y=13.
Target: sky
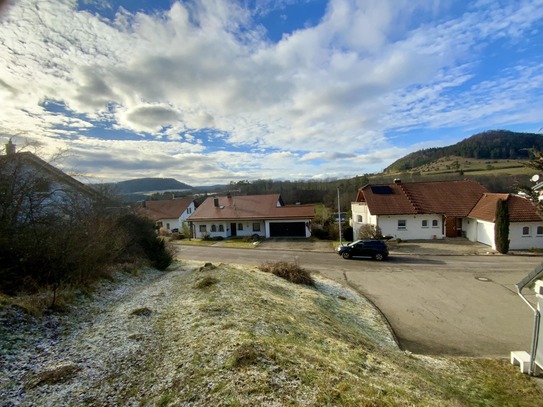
x=213 y=91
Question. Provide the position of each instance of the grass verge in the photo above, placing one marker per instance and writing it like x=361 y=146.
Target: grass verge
x=242 y=337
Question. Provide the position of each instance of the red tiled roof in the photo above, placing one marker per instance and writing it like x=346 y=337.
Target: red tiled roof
x=520 y=209
x=250 y=207
x=450 y=198
x=165 y=209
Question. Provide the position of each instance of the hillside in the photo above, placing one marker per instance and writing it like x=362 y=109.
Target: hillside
x=225 y=335
x=150 y=185
x=489 y=145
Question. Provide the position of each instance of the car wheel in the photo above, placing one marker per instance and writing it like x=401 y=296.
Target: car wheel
x=378 y=256
x=346 y=255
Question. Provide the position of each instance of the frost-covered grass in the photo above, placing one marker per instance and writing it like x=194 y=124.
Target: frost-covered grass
x=222 y=335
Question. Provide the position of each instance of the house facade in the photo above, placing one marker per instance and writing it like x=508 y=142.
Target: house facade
x=262 y=215
x=416 y=210
x=170 y=215
x=435 y=210
x=31 y=187
x=525 y=225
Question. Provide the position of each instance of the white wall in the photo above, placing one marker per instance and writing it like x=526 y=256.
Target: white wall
x=483 y=232
x=414 y=228
x=168 y=224
x=469 y=226
x=519 y=241
x=247 y=228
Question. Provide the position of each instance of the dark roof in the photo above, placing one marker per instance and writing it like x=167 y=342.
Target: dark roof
x=165 y=209
x=250 y=207
x=520 y=209
x=46 y=169
x=450 y=198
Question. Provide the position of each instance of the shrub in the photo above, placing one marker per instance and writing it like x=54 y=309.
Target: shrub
x=501 y=227
x=370 y=232
x=289 y=271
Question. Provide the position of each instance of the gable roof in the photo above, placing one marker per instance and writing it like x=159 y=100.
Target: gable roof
x=450 y=198
x=250 y=207
x=53 y=173
x=520 y=209
x=165 y=209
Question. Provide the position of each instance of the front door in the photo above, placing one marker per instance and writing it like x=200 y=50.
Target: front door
x=233 y=229
x=450 y=227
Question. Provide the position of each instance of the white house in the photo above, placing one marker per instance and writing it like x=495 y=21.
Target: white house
x=525 y=225
x=170 y=215
x=262 y=215
x=439 y=209
x=32 y=187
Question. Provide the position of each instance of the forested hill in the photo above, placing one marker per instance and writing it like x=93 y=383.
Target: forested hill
x=150 y=185
x=492 y=144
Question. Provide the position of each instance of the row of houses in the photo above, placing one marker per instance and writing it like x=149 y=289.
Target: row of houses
x=231 y=216
x=414 y=210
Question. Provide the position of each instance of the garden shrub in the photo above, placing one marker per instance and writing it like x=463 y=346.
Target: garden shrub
x=289 y=271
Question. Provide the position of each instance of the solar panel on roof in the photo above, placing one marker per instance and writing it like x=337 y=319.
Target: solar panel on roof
x=382 y=190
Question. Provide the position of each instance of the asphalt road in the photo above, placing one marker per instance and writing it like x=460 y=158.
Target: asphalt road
x=456 y=305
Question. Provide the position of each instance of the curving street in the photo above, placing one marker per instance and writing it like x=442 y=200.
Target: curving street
x=456 y=305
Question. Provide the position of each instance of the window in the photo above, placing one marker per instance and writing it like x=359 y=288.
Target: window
x=168 y=226
x=221 y=228
x=526 y=231
x=213 y=228
x=240 y=226
x=435 y=223
x=425 y=223
x=539 y=230
x=159 y=224
x=402 y=224
x=359 y=218
x=203 y=228
x=256 y=227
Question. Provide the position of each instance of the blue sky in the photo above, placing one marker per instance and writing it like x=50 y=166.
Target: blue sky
x=212 y=91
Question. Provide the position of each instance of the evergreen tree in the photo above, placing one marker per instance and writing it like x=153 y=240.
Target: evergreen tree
x=501 y=227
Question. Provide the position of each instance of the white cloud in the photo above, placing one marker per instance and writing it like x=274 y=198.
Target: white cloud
x=328 y=93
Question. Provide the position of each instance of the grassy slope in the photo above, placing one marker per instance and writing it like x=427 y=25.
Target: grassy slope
x=242 y=337
x=471 y=166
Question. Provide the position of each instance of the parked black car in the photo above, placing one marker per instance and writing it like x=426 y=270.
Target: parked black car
x=376 y=249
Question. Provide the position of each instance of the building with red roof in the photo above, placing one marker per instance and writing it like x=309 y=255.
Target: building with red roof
x=439 y=209
x=247 y=215
x=169 y=214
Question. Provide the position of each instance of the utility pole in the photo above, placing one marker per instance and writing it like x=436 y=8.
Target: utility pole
x=339 y=218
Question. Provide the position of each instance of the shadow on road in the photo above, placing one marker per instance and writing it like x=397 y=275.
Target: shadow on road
x=413 y=260
x=401 y=260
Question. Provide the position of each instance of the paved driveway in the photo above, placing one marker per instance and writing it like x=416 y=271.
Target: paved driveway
x=445 y=304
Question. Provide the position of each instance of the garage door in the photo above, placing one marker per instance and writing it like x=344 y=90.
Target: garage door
x=485 y=233
x=287 y=229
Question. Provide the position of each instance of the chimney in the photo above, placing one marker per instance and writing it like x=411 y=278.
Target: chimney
x=216 y=202
x=10 y=148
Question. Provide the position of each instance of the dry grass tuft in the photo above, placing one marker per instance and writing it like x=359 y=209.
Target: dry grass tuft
x=289 y=271
x=57 y=374
x=206 y=282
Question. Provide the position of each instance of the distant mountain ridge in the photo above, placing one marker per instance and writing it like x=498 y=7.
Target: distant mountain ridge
x=150 y=185
x=492 y=144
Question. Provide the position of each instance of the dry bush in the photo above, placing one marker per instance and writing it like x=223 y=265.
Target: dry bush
x=289 y=271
